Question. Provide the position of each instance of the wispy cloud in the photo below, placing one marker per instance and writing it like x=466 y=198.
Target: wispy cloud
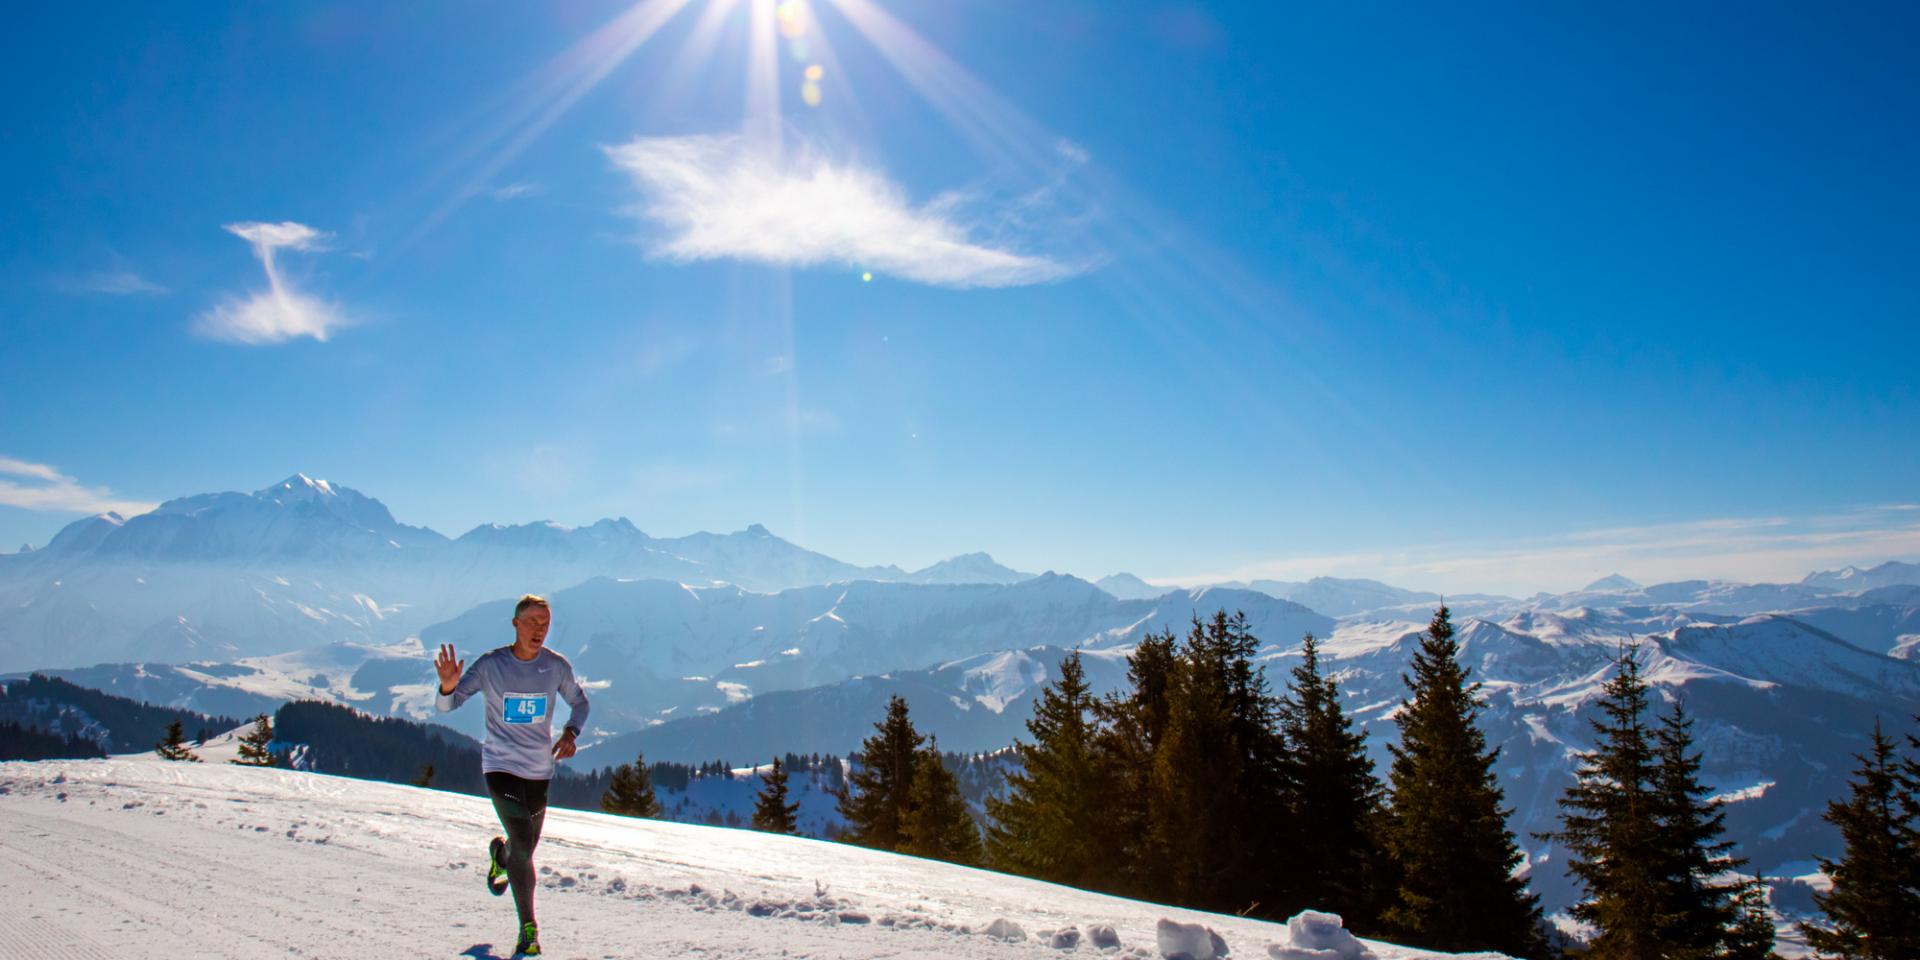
x=39 y=486
x=1752 y=549
x=112 y=283
x=731 y=198
x=280 y=312
x=516 y=191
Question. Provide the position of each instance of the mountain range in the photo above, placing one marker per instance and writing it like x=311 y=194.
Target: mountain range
x=743 y=645
x=306 y=562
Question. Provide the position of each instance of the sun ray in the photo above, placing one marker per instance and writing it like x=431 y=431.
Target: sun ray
x=994 y=128
x=698 y=49
x=554 y=89
x=762 y=120
x=1148 y=240
x=840 y=85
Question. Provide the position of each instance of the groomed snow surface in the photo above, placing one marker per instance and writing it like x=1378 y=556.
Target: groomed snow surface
x=138 y=857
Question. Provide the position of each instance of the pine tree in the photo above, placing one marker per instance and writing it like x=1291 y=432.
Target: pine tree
x=879 y=794
x=1447 y=833
x=630 y=791
x=771 y=811
x=1337 y=802
x=1216 y=807
x=1751 y=936
x=1873 y=909
x=937 y=824
x=1046 y=824
x=1610 y=825
x=255 y=744
x=1700 y=913
x=1128 y=733
x=174 y=746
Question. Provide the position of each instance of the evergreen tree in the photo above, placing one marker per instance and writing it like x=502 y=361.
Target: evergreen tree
x=630 y=791
x=1215 y=798
x=880 y=793
x=1701 y=914
x=1873 y=909
x=1751 y=936
x=936 y=823
x=254 y=744
x=1128 y=733
x=771 y=811
x=174 y=746
x=1046 y=824
x=1337 y=802
x=1447 y=833
x=1191 y=777
x=1610 y=825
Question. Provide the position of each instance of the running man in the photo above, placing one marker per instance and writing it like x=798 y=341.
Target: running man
x=518 y=755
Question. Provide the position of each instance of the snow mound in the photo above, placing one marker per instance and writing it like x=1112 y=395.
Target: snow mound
x=1188 y=941
x=1318 y=936
x=1003 y=929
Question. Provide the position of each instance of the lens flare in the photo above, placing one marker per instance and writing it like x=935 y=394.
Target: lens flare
x=793 y=16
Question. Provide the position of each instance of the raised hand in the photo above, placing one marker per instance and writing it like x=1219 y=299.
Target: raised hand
x=449 y=667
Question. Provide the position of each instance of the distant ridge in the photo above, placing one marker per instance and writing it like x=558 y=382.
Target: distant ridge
x=1612 y=583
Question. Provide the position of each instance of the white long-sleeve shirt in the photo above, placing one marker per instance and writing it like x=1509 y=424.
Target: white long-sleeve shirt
x=520 y=697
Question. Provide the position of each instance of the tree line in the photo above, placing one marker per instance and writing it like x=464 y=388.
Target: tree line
x=77 y=716
x=1198 y=785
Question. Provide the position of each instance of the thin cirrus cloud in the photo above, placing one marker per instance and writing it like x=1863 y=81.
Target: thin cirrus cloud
x=113 y=283
x=41 y=487
x=1750 y=549
x=280 y=312
x=719 y=197
x=516 y=191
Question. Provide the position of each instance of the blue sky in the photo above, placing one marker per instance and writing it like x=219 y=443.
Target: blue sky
x=1492 y=298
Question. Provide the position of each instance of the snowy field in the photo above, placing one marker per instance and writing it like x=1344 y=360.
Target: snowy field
x=137 y=857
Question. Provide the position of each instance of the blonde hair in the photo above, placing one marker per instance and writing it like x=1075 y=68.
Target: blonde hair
x=530 y=600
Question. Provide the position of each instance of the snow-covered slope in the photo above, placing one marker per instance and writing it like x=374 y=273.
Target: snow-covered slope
x=1779 y=706
x=975 y=704
x=657 y=650
x=1854 y=580
x=667 y=650
x=138 y=857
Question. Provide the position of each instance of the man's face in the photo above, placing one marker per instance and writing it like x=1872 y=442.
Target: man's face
x=530 y=627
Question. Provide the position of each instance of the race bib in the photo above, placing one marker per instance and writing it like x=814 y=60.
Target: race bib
x=526 y=707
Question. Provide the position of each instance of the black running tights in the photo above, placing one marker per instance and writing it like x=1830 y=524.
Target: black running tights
x=522 y=806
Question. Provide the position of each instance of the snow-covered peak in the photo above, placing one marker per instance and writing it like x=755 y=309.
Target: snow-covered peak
x=968 y=568
x=1612 y=583
x=85 y=534
x=997 y=679
x=1126 y=586
x=1853 y=579
x=300 y=487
